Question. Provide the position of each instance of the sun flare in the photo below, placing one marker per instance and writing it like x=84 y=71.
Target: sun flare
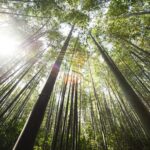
x=8 y=45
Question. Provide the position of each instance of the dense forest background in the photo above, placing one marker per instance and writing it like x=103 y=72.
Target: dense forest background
x=75 y=74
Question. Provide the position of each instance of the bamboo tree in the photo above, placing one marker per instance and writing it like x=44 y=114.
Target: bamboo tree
x=29 y=133
x=101 y=123
x=69 y=127
x=33 y=59
x=21 y=108
x=18 y=95
x=140 y=67
x=80 y=105
x=15 y=85
x=49 y=120
x=59 y=119
x=146 y=12
x=131 y=96
x=65 y=118
x=75 y=119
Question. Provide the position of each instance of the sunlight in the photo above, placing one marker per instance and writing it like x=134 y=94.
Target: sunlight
x=65 y=28
x=8 y=46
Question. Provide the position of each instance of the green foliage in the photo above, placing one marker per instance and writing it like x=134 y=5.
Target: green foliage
x=90 y=5
x=117 y=7
x=9 y=134
x=114 y=123
x=77 y=17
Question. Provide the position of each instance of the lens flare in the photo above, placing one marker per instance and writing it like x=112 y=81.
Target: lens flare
x=8 y=46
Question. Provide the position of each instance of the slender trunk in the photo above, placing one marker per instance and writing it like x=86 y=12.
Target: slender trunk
x=131 y=96
x=15 y=85
x=140 y=67
x=18 y=95
x=143 y=60
x=75 y=122
x=124 y=40
x=79 y=124
x=68 y=98
x=27 y=137
x=59 y=120
x=101 y=123
x=111 y=122
x=48 y=121
x=5 y=75
x=23 y=104
x=70 y=116
x=65 y=118
x=136 y=76
x=135 y=46
x=136 y=14
x=12 y=70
